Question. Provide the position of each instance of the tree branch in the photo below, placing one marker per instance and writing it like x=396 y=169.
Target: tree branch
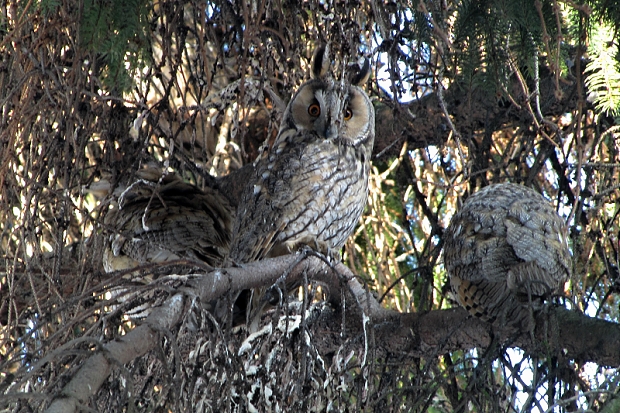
x=97 y=368
x=558 y=332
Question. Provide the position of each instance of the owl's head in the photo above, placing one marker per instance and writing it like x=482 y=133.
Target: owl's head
x=334 y=110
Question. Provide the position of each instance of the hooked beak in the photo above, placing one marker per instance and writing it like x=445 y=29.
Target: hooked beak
x=331 y=131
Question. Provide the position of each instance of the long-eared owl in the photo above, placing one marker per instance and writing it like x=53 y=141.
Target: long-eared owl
x=311 y=186
x=506 y=251
x=162 y=218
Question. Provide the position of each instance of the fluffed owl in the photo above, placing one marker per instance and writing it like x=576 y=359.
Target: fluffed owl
x=311 y=186
x=161 y=218
x=506 y=251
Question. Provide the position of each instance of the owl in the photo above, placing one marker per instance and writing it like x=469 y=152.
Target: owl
x=506 y=251
x=161 y=219
x=311 y=186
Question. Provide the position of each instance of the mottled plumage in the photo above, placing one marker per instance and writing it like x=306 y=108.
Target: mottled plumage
x=310 y=187
x=505 y=252
x=162 y=219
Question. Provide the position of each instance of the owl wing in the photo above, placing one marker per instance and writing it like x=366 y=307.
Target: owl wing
x=307 y=191
x=262 y=216
x=477 y=257
x=505 y=246
x=167 y=221
x=537 y=235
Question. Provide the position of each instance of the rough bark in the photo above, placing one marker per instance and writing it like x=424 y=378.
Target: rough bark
x=87 y=381
x=559 y=332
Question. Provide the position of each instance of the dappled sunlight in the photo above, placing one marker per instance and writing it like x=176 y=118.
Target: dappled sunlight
x=465 y=96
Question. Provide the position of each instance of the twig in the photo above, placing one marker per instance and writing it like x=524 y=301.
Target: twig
x=89 y=378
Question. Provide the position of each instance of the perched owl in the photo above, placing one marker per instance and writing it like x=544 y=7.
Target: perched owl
x=311 y=186
x=163 y=218
x=505 y=252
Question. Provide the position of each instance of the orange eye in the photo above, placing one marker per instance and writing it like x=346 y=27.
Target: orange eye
x=314 y=110
x=348 y=114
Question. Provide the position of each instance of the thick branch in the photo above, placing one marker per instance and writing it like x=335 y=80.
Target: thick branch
x=292 y=267
x=559 y=331
x=97 y=368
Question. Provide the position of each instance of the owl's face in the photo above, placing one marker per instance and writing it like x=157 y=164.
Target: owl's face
x=332 y=112
x=337 y=111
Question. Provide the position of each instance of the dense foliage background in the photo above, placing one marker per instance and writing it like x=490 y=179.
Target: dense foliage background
x=466 y=93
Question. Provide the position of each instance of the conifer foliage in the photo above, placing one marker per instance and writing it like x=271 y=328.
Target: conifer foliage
x=466 y=94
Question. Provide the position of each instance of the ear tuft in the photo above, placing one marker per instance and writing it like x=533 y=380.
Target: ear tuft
x=320 y=61
x=359 y=76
